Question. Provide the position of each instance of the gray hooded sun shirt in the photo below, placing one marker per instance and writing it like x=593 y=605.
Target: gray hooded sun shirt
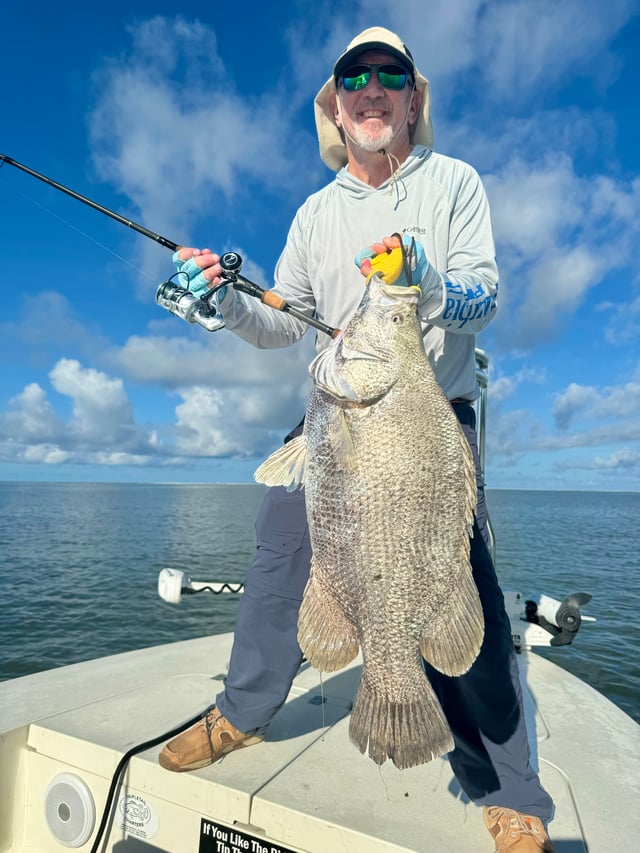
x=436 y=199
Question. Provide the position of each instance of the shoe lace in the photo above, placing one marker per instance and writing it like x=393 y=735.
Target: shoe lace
x=521 y=825
x=515 y=823
x=210 y=721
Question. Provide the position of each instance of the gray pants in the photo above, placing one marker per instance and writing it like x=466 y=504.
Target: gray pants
x=483 y=707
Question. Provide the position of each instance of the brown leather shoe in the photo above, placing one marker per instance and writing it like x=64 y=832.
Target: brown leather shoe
x=211 y=738
x=516 y=833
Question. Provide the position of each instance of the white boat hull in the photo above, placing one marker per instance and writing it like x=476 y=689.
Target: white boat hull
x=306 y=788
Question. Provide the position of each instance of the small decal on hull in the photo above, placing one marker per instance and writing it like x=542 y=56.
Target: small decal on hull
x=137 y=817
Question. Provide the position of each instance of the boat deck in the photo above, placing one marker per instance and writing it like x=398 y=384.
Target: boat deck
x=306 y=788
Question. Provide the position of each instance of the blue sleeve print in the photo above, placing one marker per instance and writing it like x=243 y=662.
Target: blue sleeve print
x=468 y=308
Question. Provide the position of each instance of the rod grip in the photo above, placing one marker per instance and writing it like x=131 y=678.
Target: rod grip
x=273 y=300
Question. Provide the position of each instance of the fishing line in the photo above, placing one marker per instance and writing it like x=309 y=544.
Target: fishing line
x=324 y=722
x=78 y=230
x=384 y=783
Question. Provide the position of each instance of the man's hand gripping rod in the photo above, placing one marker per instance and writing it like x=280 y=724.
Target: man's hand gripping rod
x=202 y=310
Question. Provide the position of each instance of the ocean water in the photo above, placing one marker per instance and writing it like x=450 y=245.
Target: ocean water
x=79 y=565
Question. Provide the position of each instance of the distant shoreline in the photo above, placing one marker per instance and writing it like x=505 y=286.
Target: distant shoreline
x=183 y=483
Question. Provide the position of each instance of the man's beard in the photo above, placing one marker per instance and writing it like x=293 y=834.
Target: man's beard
x=373 y=141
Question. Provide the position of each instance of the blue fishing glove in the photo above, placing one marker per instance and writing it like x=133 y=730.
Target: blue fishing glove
x=389 y=263
x=197 y=283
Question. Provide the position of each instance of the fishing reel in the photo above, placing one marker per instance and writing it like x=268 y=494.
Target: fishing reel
x=199 y=309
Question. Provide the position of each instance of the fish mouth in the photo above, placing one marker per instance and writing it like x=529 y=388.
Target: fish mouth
x=351 y=353
x=390 y=293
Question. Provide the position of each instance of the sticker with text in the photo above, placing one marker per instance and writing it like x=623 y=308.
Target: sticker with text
x=217 y=838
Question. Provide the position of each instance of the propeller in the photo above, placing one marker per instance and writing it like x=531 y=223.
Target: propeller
x=560 y=618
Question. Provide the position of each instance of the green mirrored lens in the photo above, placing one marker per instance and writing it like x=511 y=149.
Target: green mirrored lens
x=352 y=84
x=392 y=81
x=358 y=76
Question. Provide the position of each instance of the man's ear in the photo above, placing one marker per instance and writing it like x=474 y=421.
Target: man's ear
x=334 y=104
x=416 y=105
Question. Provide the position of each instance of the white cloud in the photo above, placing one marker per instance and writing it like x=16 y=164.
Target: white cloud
x=624 y=459
x=47 y=454
x=276 y=380
x=171 y=131
x=503 y=387
x=520 y=432
x=215 y=424
x=251 y=399
x=102 y=413
x=528 y=44
x=533 y=199
x=30 y=417
x=609 y=418
x=622 y=321
x=199 y=431
x=100 y=428
x=591 y=404
x=558 y=236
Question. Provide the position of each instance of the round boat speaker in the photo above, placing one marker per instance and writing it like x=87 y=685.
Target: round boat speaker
x=69 y=810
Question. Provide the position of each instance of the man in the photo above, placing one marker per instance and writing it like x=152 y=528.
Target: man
x=373 y=124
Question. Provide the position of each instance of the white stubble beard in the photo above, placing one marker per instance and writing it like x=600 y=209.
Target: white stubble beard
x=373 y=142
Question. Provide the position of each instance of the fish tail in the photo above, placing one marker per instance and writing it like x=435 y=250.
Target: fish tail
x=409 y=733
x=328 y=639
x=454 y=636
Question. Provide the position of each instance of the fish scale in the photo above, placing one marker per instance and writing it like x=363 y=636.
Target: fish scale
x=390 y=494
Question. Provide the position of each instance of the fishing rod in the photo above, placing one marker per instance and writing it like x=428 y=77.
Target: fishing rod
x=179 y=300
x=169 y=244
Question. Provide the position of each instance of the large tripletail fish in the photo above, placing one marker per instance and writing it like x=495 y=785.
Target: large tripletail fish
x=390 y=494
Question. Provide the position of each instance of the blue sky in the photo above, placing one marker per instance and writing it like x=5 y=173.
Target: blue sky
x=196 y=121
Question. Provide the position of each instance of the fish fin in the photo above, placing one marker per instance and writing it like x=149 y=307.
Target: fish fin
x=471 y=485
x=409 y=733
x=285 y=466
x=343 y=444
x=455 y=635
x=453 y=639
x=326 y=636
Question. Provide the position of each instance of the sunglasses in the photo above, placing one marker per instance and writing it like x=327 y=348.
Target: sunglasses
x=357 y=77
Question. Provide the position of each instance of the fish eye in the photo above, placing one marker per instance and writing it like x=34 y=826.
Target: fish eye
x=397 y=318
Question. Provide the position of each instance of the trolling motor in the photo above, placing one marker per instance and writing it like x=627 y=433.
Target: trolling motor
x=539 y=620
x=562 y=619
x=173 y=584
